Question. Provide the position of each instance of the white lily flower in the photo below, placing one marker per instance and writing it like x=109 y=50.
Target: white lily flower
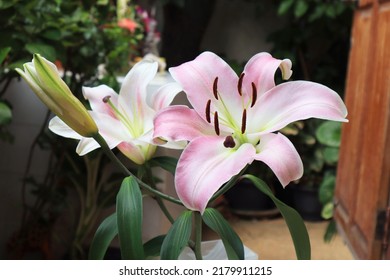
x=125 y=120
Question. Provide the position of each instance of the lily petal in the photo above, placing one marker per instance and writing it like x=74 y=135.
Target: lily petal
x=163 y=96
x=280 y=155
x=261 y=69
x=293 y=101
x=133 y=152
x=111 y=129
x=86 y=145
x=178 y=123
x=197 y=78
x=204 y=166
x=59 y=127
x=133 y=93
x=96 y=96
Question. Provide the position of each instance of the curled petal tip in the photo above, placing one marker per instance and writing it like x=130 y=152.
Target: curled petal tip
x=285 y=67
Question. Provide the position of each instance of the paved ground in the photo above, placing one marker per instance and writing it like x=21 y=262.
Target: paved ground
x=271 y=240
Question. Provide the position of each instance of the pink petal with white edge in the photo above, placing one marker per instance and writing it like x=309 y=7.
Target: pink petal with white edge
x=163 y=96
x=178 y=123
x=204 y=166
x=280 y=155
x=197 y=79
x=261 y=69
x=95 y=96
x=293 y=101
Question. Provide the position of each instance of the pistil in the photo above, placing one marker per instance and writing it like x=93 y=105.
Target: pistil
x=229 y=142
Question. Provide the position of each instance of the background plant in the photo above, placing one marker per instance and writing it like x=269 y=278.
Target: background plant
x=315 y=36
x=80 y=36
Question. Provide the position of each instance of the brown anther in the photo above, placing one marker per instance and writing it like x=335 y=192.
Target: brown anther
x=215 y=88
x=106 y=98
x=254 y=94
x=216 y=123
x=208 y=118
x=243 y=124
x=229 y=142
x=239 y=86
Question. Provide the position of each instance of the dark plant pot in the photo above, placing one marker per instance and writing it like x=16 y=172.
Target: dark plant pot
x=307 y=203
x=245 y=200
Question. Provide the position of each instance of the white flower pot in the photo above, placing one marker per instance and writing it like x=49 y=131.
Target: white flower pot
x=214 y=250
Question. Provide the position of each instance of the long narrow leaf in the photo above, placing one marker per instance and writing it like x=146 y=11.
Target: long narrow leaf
x=293 y=220
x=129 y=219
x=231 y=241
x=153 y=246
x=167 y=163
x=103 y=236
x=3 y=53
x=177 y=237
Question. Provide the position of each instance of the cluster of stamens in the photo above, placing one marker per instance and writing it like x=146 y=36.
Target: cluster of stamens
x=229 y=141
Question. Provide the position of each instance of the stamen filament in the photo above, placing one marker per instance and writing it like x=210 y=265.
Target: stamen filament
x=254 y=94
x=239 y=86
x=243 y=124
x=208 y=118
x=120 y=116
x=215 y=88
x=216 y=123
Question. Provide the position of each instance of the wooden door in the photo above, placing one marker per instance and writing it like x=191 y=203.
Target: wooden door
x=363 y=181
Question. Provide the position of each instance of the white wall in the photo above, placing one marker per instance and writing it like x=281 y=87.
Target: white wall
x=28 y=116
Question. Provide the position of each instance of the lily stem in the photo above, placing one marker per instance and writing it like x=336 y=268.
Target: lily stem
x=127 y=172
x=159 y=201
x=198 y=236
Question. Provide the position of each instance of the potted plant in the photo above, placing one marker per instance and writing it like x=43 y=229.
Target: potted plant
x=320 y=143
x=246 y=201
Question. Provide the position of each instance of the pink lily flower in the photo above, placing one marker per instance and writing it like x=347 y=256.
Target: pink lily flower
x=234 y=120
x=125 y=120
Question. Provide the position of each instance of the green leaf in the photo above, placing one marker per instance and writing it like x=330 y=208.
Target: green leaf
x=318 y=12
x=331 y=155
x=284 y=6
x=103 y=236
x=3 y=53
x=153 y=246
x=331 y=231
x=52 y=34
x=177 y=237
x=167 y=163
x=301 y=8
x=5 y=113
x=329 y=133
x=231 y=241
x=326 y=189
x=293 y=220
x=129 y=219
x=327 y=211
x=47 y=51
